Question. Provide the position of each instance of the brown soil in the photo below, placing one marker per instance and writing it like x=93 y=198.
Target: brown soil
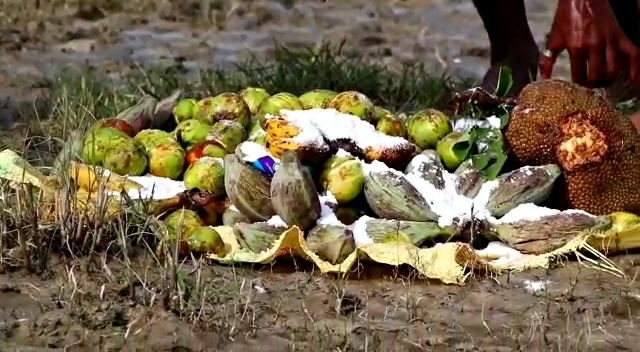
x=276 y=308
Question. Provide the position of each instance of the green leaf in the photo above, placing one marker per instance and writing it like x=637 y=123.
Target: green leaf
x=481 y=161
x=462 y=147
x=489 y=163
x=491 y=140
x=504 y=117
x=493 y=170
x=482 y=132
x=505 y=82
x=492 y=158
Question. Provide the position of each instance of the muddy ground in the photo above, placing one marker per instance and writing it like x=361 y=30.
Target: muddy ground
x=275 y=308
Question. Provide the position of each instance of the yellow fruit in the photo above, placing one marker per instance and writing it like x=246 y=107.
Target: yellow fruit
x=279 y=128
x=278 y=146
x=91 y=178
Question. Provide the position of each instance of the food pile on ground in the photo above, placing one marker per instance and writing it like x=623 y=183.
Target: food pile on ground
x=350 y=173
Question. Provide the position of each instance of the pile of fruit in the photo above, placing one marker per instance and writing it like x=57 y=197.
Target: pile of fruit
x=344 y=171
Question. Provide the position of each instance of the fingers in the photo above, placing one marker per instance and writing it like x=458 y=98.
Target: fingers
x=578 y=61
x=612 y=62
x=555 y=45
x=596 y=75
x=546 y=62
x=631 y=50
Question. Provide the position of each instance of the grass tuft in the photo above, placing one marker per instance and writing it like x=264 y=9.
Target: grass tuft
x=408 y=89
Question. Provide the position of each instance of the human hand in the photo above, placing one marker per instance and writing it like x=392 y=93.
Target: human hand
x=596 y=44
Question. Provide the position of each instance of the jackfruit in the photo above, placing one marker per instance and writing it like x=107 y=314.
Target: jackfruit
x=580 y=130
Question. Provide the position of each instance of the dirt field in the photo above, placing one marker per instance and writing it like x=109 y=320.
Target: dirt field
x=277 y=309
x=118 y=306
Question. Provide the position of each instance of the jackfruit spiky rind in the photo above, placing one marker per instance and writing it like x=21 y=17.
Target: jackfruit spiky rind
x=534 y=134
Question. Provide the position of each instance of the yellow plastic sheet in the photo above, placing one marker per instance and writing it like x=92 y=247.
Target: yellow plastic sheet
x=451 y=263
x=447 y=262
